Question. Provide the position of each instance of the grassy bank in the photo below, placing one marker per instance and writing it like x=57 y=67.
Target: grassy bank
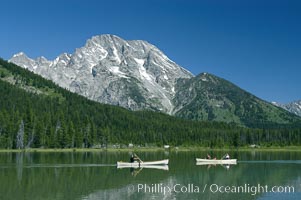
x=153 y=149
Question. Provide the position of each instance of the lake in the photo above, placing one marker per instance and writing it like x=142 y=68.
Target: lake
x=94 y=175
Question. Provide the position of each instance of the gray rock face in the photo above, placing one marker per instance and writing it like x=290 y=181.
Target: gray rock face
x=132 y=74
x=293 y=107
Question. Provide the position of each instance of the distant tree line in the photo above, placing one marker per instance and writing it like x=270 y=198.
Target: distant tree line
x=53 y=117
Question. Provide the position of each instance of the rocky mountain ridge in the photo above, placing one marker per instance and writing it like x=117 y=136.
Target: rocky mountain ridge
x=132 y=74
x=138 y=76
x=293 y=107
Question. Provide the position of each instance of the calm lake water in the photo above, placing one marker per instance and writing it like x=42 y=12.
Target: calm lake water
x=94 y=175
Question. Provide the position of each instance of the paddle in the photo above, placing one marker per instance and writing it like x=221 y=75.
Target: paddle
x=138 y=158
x=137 y=172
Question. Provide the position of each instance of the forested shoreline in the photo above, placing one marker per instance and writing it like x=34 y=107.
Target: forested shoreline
x=36 y=113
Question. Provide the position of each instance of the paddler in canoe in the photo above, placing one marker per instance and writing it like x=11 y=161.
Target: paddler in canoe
x=208 y=157
x=134 y=158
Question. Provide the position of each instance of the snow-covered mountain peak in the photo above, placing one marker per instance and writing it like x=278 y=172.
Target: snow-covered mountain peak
x=19 y=54
x=23 y=60
x=293 y=107
x=130 y=73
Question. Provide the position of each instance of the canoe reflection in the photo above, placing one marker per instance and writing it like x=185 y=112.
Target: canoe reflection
x=209 y=165
x=136 y=170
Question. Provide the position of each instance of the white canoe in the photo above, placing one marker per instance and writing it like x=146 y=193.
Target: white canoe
x=142 y=164
x=213 y=161
x=162 y=167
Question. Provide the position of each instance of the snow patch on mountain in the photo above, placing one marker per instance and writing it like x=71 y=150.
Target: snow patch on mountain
x=133 y=74
x=293 y=107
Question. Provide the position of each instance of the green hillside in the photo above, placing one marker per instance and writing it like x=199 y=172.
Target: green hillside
x=210 y=98
x=36 y=113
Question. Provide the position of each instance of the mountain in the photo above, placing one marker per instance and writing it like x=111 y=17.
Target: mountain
x=132 y=74
x=208 y=97
x=293 y=107
x=34 y=112
x=136 y=75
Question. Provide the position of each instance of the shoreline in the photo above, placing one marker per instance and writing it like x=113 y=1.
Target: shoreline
x=151 y=149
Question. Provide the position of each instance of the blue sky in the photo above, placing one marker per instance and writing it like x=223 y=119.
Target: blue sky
x=255 y=44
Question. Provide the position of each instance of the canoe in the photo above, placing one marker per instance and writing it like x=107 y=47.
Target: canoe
x=162 y=167
x=142 y=164
x=210 y=163
x=213 y=161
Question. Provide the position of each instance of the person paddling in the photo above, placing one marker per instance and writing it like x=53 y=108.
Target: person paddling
x=134 y=158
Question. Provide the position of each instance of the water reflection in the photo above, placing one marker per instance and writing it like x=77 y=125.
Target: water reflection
x=208 y=166
x=95 y=175
x=136 y=170
x=19 y=165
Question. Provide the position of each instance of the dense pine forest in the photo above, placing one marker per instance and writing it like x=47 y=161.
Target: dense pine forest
x=36 y=113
